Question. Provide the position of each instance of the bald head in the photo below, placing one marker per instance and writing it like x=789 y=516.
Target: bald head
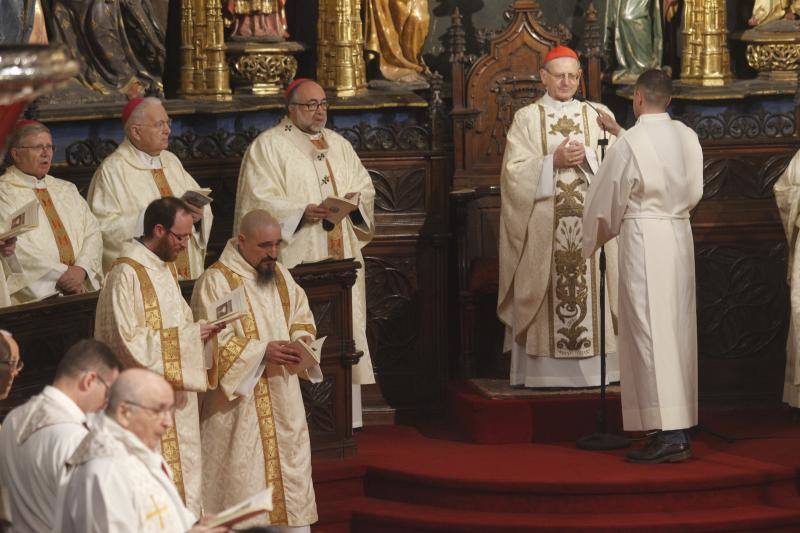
x=258 y=242
x=137 y=385
x=256 y=220
x=142 y=402
x=9 y=359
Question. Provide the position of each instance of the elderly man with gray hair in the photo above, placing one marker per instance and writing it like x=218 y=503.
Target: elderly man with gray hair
x=139 y=171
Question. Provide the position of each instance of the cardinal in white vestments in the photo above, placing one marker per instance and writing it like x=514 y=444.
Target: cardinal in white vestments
x=643 y=193
x=63 y=253
x=253 y=423
x=10 y=365
x=39 y=436
x=118 y=482
x=549 y=295
x=143 y=316
x=292 y=168
x=139 y=171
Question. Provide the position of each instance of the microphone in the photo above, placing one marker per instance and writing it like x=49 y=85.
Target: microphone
x=600 y=142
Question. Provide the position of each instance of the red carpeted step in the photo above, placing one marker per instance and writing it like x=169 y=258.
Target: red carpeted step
x=376 y=516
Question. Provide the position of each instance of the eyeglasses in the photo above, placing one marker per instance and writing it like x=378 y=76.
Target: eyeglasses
x=106 y=385
x=179 y=238
x=41 y=147
x=312 y=105
x=159 y=125
x=15 y=366
x=162 y=412
x=568 y=76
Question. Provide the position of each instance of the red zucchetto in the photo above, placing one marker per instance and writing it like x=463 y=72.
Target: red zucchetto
x=129 y=107
x=559 y=51
x=293 y=86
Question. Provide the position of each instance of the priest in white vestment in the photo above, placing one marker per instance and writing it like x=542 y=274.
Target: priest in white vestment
x=253 y=424
x=288 y=171
x=39 y=436
x=7 y=248
x=63 y=253
x=118 y=482
x=10 y=365
x=143 y=316
x=140 y=170
x=643 y=193
x=548 y=295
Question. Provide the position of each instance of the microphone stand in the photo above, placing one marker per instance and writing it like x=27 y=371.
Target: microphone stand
x=601 y=439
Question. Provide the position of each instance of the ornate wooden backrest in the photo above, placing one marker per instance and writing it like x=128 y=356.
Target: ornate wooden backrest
x=488 y=93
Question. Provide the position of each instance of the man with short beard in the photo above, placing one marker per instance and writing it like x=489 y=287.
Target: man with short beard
x=142 y=316
x=255 y=404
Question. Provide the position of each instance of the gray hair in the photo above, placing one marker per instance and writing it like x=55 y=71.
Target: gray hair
x=137 y=114
x=16 y=137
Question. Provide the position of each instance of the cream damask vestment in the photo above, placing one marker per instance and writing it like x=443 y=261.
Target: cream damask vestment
x=67 y=235
x=282 y=172
x=548 y=295
x=124 y=185
x=253 y=423
x=143 y=317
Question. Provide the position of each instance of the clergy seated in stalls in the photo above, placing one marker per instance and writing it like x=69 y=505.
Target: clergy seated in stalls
x=118 y=481
x=142 y=315
x=39 y=436
x=289 y=171
x=643 y=193
x=253 y=422
x=62 y=254
x=550 y=157
x=139 y=171
x=10 y=366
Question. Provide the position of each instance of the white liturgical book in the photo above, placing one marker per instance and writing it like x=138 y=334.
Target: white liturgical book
x=230 y=307
x=22 y=220
x=339 y=207
x=311 y=355
x=258 y=503
x=198 y=197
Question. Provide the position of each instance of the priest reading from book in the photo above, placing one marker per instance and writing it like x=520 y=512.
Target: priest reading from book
x=549 y=295
x=290 y=171
x=143 y=317
x=39 y=436
x=118 y=481
x=253 y=422
x=140 y=170
x=60 y=251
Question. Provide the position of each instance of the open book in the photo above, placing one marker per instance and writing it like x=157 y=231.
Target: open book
x=258 y=503
x=230 y=307
x=198 y=197
x=22 y=220
x=310 y=355
x=339 y=207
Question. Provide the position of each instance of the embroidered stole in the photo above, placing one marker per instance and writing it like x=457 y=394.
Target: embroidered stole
x=66 y=254
x=182 y=261
x=171 y=358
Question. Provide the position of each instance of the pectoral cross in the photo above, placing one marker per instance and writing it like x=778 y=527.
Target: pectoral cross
x=157 y=512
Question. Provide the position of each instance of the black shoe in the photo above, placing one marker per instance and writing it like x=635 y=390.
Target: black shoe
x=658 y=451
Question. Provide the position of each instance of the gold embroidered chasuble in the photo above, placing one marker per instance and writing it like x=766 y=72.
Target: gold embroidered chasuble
x=548 y=293
x=122 y=188
x=143 y=317
x=282 y=172
x=254 y=405
x=67 y=234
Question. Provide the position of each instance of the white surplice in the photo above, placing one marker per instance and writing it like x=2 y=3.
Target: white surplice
x=122 y=188
x=282 y=172
x=119 y=485
x=643 y=193
x=253 y=423
x=36 y=259
x=36 y=440
x=548 y=296
x=175 y=351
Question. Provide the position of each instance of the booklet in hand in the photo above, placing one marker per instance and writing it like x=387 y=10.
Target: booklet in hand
x=228 y=308
x=22 y=220
x=198 y=197
x=339 y=207
x=258 y=503
x=310 y=355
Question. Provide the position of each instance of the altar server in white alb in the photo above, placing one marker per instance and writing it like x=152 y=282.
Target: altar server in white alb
x=643 y=193
x=548 y=296
x=139 y=171
x=292 y=168
x=62 y=254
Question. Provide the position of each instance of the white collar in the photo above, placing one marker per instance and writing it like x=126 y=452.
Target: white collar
x=653 y=117
x=28 y=180
x=549 y=101
x=149 y=161
x=57 y=396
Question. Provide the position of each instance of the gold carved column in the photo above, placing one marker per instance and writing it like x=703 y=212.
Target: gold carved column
x=340 y=47
x=705 y=59
x=204 y=71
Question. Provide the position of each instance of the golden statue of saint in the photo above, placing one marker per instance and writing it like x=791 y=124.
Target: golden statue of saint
x=396 y=31
x=765 y=11
x=257 y=20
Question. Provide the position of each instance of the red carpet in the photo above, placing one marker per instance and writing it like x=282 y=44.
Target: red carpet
x=406 y=479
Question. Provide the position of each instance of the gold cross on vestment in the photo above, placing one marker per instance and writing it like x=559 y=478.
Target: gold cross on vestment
x=565 y=126
x=156 y=512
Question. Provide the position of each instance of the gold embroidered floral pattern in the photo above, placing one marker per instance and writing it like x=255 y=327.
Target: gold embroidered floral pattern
x=571 y=289
x=308 y=328
x=66 y=253
x=565 y=126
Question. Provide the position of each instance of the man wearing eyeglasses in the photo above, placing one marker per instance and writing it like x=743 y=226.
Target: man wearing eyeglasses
x=10 y=365
x=117 y=479
x=142 y=316
x=139 y=171
x=63 y=253
x=288 y=171
x=39 y=436
x=548 y=296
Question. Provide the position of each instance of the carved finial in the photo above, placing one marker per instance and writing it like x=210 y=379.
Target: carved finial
x=592 y=35
x=456 y=37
